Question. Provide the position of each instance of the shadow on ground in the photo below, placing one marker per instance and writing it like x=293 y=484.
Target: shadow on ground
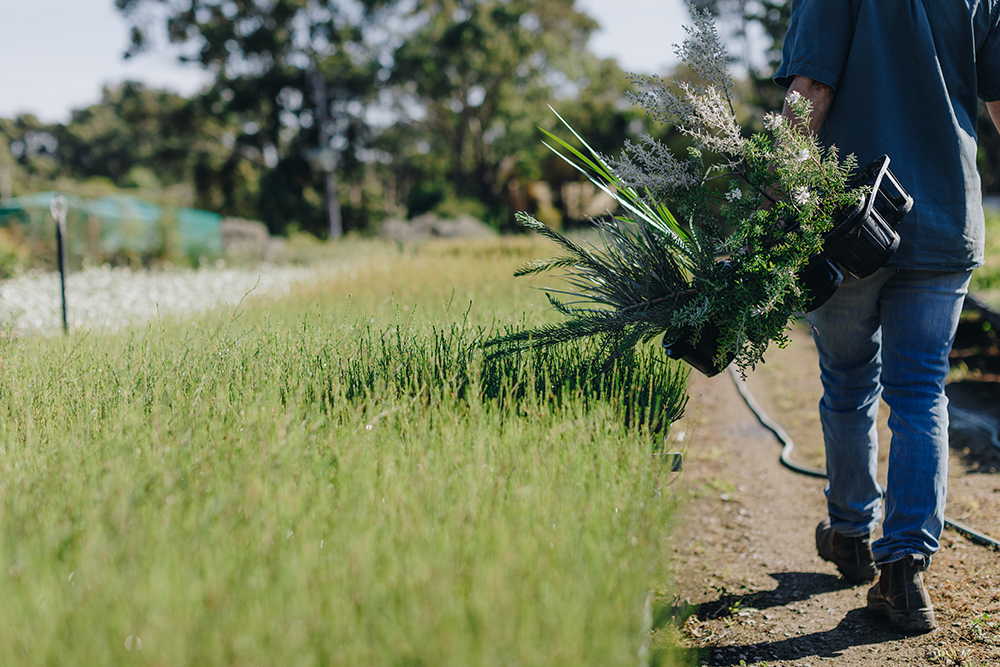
x=857 y=628
x=792 y=587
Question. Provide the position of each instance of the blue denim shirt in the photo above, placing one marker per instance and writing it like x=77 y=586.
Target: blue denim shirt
x=907 y=75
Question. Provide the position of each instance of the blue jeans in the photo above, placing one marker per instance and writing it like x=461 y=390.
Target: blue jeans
x=888 y=336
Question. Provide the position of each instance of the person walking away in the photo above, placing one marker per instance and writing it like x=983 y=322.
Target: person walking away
x=902 y=78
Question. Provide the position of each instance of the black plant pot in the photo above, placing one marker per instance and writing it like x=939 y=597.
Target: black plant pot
x=702 y=354
x=819 y=279
x=863 y=238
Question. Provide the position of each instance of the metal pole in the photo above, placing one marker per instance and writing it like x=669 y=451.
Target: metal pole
x=59 y=208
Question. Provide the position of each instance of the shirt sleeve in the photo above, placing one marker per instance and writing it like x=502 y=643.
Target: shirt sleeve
x=988 y=64
x=819 y=39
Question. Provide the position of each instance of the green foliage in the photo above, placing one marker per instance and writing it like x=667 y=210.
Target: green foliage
x=424 y=97
x=131 y=129
x=436 y=98
x=424 y=197
x=32 y=145
x=453 y=207
x=295 y=199
x=154 y=143
x=301 y=482
x=648 y=392
x=753 y=217
x=481 y=72
x=15 y=255
x=637 y=278
x=9 y=172
x=273 y=63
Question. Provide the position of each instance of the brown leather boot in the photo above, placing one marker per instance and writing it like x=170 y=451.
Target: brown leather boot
x=900 y=595
x=851 y=555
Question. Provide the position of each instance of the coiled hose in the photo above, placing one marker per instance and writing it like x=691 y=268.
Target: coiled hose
x=788 y=446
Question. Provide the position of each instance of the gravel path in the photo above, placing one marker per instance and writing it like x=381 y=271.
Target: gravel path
x=113 y=298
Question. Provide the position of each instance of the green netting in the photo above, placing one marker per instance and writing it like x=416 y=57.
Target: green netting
x=31 y=210
x=127 y=223
x=115 y=223
x=198 y=231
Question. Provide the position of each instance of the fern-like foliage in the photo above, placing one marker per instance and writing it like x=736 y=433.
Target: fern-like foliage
x=624 y=292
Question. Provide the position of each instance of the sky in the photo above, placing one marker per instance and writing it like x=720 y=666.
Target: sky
x=56 y=55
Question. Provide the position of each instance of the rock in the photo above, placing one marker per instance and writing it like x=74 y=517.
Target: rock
x=247 y=239
x=430 y=226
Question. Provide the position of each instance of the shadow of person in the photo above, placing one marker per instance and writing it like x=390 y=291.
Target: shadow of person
x=858 y=628
x=792 y=587
x=797 y=586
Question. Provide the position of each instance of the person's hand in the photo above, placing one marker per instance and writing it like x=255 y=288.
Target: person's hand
x=821 y=97
x=994 y=109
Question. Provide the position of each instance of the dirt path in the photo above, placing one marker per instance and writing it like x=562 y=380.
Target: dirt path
x=747 y=561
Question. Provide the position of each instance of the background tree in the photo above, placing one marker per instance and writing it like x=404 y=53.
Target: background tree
x=33 y=147
x=7 y=169
x=134 y=136
x=430 y=105
x=480 y=73
x=267 y=57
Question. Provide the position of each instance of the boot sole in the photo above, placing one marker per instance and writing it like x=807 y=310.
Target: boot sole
x=907 y=620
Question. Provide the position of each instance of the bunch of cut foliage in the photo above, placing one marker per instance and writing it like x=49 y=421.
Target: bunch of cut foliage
x=715 y=237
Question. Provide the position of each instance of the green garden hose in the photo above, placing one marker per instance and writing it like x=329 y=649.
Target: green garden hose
x=788 y=446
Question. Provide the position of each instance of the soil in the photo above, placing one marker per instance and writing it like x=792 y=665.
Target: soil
x=750 y=588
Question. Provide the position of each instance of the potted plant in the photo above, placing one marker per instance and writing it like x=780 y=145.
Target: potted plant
x=758 y=230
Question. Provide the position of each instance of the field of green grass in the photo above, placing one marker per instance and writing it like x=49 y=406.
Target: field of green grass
x=334 y=478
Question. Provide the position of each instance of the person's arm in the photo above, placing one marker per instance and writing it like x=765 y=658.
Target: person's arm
x=994 y=108
x=821 y=96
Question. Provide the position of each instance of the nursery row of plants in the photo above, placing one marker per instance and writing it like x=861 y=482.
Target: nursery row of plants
x=338 y=476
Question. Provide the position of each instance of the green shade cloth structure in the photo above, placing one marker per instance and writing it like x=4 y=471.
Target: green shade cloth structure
x=124 y=223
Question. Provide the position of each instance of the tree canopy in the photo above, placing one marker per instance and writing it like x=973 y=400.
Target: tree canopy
x=481 y=71
x=436 y=99
x=378 y=107
x=295 y=75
